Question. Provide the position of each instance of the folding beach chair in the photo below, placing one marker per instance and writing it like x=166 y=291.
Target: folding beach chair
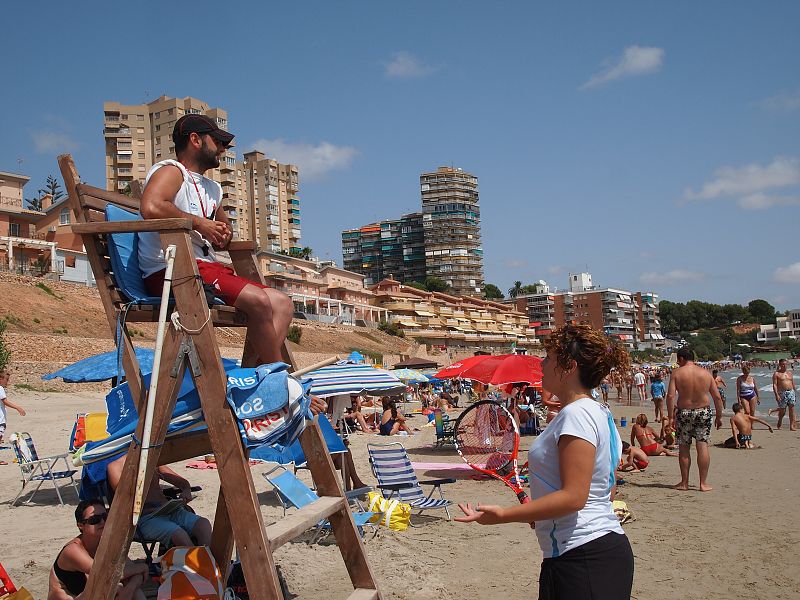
x=395 y=475
x=38 y=469
x=291 y=492
x=445 y=429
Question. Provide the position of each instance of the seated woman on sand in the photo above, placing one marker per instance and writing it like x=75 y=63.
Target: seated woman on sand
x=74 y=562
x=646 y=437
x=393 y=421
x=355 y=415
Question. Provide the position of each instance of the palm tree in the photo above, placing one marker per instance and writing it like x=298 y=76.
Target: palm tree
x=516 y=290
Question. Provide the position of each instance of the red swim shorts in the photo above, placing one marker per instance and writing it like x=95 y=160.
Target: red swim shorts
x=226 y=282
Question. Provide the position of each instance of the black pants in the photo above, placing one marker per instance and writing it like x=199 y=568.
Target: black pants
x=598 y=570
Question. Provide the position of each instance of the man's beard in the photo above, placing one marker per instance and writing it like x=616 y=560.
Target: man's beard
x=207 y=158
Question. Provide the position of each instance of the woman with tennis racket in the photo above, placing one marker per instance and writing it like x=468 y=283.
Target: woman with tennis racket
x=572 y=468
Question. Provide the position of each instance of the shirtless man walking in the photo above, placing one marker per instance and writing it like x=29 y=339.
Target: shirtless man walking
x=784 y=389
x=692 y=419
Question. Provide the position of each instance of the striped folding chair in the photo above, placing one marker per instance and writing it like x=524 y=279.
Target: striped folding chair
x=38 y=469
x=395 y=475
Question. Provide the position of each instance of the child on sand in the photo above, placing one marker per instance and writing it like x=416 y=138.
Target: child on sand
x=637 y=460
x=5 y=402
x=742 y=428
x=667 y=434
x=646 y=437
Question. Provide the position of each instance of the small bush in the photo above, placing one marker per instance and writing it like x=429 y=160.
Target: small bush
x=391 y=329
x=295 y=333
x=5 y=353
x=13 y=319
x=46 y=289
x=35 y=320
x=60 y=330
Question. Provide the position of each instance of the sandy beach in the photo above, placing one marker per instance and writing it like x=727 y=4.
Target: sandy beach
x=739 y=540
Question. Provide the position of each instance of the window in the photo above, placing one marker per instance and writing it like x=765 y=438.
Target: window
x=140 y=117
x=140 y=142
x=140 y=154
x=158 y=115
x=140 y=130
x=13 y=229
x=69 y=261
x=158 y=127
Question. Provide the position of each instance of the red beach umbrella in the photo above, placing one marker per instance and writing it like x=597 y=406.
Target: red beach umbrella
x=457 y=368
x=505 y=368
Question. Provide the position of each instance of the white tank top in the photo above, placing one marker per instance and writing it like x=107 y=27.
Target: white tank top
x=151 y=255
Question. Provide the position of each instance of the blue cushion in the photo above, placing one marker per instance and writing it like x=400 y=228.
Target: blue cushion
x=123 y=249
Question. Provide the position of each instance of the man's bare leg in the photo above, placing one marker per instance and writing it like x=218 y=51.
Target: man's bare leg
x=781 y=412
x=269 y=313
x=703 y=462
x=685 y=461
x=792 y=420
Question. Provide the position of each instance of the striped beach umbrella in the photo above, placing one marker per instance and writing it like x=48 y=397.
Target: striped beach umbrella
x=348 y=378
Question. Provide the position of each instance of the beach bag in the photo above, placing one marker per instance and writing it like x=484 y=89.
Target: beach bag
x=20 y=594
x=190 y=573
x=396 y=515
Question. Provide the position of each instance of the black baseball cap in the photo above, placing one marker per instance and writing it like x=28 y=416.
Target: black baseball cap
x=200 y=124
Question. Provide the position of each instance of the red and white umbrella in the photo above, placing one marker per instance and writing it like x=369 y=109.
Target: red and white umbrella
x=497 y=370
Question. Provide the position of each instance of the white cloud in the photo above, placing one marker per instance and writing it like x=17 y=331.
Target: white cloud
x=405 y=65
x=790 y=274
x=313 y=161
x=676 y=276
x=513 y=263
x=46 y=142
x=555 y=269
x=761 y=201
x=783 y=101
x=634 y=62
x=749 y=184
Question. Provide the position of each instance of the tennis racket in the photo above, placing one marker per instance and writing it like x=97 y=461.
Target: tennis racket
x=487 y=439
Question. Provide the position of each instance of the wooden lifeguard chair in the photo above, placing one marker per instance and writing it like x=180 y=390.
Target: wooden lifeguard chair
x=238 y=516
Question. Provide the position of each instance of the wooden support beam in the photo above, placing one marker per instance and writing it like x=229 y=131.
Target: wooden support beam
x=350 y=544
x=291 y=526
x=233 y=467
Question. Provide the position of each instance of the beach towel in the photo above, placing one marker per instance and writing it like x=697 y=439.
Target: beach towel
x=190 y=573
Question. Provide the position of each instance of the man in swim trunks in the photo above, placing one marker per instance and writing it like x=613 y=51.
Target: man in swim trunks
x=692 y=418
x=784 y=389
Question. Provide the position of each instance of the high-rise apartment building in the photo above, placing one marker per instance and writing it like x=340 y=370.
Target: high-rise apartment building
x=452 y=226
x=390 y=248
x=631 y=317
x=259 y=195
x=270 y=208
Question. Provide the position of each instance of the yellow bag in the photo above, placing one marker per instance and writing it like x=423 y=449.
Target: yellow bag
x=20 y=594
x=396 y=515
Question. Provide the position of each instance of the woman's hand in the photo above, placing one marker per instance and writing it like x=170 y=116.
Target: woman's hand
x=485 y=514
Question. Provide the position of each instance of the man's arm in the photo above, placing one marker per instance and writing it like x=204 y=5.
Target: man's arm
x=171 y=477
x=221 y=217
x=775 y=385
x=158 y=202
x=714 y=391
x=735 y=431
x=671 y=400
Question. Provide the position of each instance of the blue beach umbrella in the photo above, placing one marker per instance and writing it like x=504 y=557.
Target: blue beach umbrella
x=107 y=365
x=348 y=378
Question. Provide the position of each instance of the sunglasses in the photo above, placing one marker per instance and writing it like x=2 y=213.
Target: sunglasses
x=95 y=519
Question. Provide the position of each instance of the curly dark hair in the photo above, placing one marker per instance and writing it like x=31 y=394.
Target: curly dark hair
x=593 y=351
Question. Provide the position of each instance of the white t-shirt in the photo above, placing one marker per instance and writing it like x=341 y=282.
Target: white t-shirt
x=590 y=421
x=151 y=255
x=2 y=405
x=638 y=379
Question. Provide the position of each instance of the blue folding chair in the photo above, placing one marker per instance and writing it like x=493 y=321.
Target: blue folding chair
x=395 y=475
x=291 y=492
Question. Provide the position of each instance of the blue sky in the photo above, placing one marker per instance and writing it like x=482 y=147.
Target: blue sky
x=655 y=143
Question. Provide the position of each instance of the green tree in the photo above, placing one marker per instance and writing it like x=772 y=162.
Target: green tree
x=435 y=284
x=762 y=311
x=52 y=187
x=416 y=284
x=515 y=290
x=492 y=292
